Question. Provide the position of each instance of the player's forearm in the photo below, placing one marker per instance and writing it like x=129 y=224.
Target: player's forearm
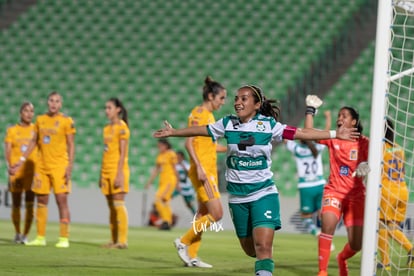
x=7 y=154
x=30 y=148
x=190 y=149
x=308 y=121
x=190 y=131
x=221 y=148
x=122 y=155
x=313 y=134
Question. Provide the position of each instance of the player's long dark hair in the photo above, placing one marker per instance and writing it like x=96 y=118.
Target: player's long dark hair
x=268 y=107
x=389 y=132
x=211 y=87
x=123 y=114
x=355 y=116
x=165 y=142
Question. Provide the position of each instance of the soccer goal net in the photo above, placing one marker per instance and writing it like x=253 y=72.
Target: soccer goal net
x=389 y=215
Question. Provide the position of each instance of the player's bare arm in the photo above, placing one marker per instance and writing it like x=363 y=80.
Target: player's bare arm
x=119 y=179
x=70 y=143
x=154 y=174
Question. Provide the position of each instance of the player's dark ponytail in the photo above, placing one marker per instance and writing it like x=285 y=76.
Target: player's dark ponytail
x=389 y=131
x=355 y=116
x=211 y=87
x=123 y=113
x=268 y=107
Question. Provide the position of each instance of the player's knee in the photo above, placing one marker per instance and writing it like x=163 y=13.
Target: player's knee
x=263 y=248
x=217 y=215
x=248 y=247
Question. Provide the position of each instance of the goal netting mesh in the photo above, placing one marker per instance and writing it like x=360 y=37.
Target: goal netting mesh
x=395 y=237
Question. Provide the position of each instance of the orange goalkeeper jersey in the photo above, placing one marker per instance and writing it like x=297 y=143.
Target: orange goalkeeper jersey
x=204 y=147
x=19 y=137
x=112 y=135
x=52 y=142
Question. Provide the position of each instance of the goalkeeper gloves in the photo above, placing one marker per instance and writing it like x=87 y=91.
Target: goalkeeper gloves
x=362 y=170
x=312 y=104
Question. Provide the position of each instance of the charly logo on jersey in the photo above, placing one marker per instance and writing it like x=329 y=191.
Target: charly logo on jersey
x=246 y=163
x=46 y=139
x=260 y=126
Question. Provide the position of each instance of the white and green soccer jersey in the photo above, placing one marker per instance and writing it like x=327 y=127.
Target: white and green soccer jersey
x=186 y=188
x=249 y=150
x=309 y=168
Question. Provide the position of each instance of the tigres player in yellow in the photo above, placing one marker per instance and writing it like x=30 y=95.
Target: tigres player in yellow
x=16 y=142
x=165 y=167
x=203 y=174
x=114 y=179
x=394 y=197
x=54 y=137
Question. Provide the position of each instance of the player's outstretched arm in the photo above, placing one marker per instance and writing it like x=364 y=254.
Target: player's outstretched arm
x=342 y=133
x=169 y=131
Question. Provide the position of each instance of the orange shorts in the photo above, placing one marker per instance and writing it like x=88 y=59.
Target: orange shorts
x=44 y=180
x=108 y=183
x=351 y=210
x=205 y=191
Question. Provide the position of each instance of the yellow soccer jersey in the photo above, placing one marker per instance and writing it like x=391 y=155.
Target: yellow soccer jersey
x=112 y=135
x=167 y=161
x=52 y=141
x=19 y=137
x=393 y=172
x=204 y=147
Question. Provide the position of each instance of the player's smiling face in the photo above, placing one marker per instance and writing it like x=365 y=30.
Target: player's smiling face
x=54 y=104
x=27 y=113
x=245 y=105
x=111 y=111
x=218 y=100
x=345 y=119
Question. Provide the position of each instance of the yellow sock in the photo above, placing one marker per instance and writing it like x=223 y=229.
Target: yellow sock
x=64 y=228
x=164 y=210
x=383 y=246
x=122 y=219
x=400 y=237
x=197 y=228
x=194 y=246
x=113 y=225
x=15 y=216
x=28 y=217
x=41 y=219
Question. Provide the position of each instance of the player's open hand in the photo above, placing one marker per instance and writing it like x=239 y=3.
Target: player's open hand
x=350 y=134
x=68 y=174
x=165 y=132
x=119 y=180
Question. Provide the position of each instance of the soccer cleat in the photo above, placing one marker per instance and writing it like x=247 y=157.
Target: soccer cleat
x=384 y=267
x=23 y=239
x=62 y=243
x=17 y=238
x=196 y=262
x=39 y=241
x=410 y=259
x=343 y=266
x=182 y=251
x=108 y=245
x=165 y=226
x=323 y=273
x=120 y=246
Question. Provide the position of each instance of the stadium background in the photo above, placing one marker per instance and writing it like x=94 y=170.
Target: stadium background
x=154 y=55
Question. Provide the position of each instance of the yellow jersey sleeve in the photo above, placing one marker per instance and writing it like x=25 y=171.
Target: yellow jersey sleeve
x=69 y=126
x=393 y=168
x=19 y=137
x=124 y=131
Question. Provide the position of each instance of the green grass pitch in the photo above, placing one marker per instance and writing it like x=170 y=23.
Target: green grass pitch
x=151 y=252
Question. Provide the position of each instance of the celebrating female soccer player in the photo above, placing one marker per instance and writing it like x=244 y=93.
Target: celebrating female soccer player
x=394 y=198
x=344 y=195
x=54 y=136
x=165 y=166
x=185 y=187
x=114 y=178
x=203 y=172
x=309 y=167
x=254 y=201
x=16 y=142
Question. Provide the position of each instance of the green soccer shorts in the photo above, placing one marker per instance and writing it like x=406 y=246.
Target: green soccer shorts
x=311 y=199
x=264 y=212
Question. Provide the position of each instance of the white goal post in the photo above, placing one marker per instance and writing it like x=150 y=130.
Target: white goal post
x=384 y=75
